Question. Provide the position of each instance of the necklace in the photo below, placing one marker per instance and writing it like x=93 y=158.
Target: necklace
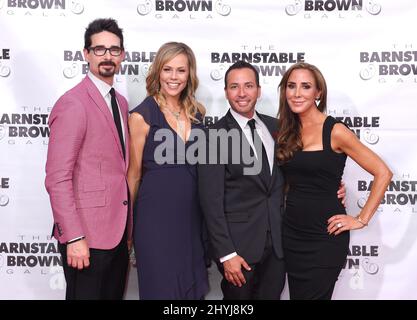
x=180 y=123
x=176 y=114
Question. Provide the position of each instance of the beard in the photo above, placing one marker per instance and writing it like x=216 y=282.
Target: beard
x=107 y=72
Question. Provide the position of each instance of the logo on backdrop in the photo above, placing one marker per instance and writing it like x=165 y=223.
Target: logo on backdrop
x=3 y=132
x=29 y=255
x=210 y=120
x=267 y=59
x=4 y=184
x=361 y=261
x=44 y=8
x=400 y=196
x=4 y=68
x=395 y=65
x=360 y=256
x=365 y=127
x=183 y=9
x=326 y=9
x=28 y=127
x=135 y=65
x=4 y=200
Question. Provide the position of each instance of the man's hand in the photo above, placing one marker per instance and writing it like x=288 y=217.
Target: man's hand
x=78 y=254
x=341 y=193
x=233 y=270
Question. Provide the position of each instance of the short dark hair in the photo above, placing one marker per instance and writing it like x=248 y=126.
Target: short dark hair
x=100 y=25
x=241 y=65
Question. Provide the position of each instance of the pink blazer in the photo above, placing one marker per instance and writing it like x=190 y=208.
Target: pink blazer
x=85 y=169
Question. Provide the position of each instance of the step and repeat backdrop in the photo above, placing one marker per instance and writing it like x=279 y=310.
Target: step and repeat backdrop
x=367 y=51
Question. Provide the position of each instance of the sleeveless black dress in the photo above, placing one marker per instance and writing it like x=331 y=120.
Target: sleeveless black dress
x=314 y=258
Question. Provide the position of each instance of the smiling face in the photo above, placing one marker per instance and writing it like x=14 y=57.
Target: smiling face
x=242 y=92
x=173 y=77
x=301 y=91
x=104 y=67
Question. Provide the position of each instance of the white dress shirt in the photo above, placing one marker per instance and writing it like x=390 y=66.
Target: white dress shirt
x=104 y=90
x=262 y=131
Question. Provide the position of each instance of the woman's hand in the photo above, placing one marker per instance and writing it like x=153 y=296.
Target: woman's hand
x=342 y=222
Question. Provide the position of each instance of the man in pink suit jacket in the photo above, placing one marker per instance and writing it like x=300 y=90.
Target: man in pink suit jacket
x=86 y=169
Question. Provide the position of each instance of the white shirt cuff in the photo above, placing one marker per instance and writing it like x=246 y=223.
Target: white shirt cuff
x=75 y=239
x=228 y=257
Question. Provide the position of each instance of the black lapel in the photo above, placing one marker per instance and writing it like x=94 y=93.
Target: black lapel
x=273 y=130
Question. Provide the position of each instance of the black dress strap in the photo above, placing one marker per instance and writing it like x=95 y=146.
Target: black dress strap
x=327 y=132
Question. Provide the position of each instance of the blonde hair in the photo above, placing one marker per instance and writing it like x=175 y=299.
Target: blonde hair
x=167 y=52
x=289 y=136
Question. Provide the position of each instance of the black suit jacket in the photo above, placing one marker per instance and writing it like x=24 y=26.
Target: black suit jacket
x=238 y=208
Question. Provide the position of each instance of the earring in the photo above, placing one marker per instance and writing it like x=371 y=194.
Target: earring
x=317 y=101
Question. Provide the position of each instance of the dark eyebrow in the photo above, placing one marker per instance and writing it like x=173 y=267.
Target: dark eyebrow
x=168 y=66
x=292 y=82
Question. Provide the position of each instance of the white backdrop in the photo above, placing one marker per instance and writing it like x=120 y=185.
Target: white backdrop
x=365 y=49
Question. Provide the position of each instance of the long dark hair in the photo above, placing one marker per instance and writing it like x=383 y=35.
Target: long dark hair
x=289 y=136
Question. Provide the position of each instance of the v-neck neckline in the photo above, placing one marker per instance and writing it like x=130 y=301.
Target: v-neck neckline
x=171 y=128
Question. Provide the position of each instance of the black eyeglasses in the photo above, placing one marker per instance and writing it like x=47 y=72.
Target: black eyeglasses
x=101 y=51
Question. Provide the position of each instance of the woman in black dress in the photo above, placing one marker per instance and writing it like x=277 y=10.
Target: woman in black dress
x=312 y=150
x=163 y=183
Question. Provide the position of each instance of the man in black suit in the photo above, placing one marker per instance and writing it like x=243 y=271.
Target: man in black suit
x=243 y=210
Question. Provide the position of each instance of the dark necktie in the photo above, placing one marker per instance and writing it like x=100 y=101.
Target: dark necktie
x=265 y=173
x=116 y=118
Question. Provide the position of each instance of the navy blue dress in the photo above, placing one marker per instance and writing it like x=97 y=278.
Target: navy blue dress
x=168 y=219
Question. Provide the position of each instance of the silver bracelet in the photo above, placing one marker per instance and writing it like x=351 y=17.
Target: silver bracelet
x=358 y=218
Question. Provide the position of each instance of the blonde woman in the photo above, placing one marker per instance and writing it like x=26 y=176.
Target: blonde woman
x=163 y=184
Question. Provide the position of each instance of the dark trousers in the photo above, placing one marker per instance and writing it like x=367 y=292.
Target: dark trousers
x=264 y=282
x=104 y=279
